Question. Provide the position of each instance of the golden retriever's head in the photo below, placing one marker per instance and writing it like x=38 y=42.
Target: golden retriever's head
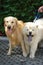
x=10 y=23
x=30 y=30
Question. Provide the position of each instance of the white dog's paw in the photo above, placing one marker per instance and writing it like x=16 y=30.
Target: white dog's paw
x=25 y=54
x=32 y=56
x=9 y=53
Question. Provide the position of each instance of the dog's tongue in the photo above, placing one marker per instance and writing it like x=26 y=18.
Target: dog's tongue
x=9 y=31
x=29 y=38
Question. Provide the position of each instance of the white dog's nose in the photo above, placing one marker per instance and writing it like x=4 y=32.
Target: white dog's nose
x=30 y=33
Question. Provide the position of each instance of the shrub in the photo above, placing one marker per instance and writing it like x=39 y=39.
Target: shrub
x=22 y=9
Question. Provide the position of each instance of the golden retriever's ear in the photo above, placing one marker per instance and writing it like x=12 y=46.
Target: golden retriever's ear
x=4 y=21
x=24 y=24
x=4 y=24
x=15 y=20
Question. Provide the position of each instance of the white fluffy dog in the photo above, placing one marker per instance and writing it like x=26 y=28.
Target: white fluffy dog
x=33 y=33
x=39 y=22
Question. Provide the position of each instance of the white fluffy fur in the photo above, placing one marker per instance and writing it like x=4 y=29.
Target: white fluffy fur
x=39 y=22
x=37 y=32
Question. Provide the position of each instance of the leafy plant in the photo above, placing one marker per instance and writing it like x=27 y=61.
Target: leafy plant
x=22 y=9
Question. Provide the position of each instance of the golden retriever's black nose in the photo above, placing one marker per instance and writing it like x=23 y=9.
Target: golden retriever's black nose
x=30 y=33
x=9 y=27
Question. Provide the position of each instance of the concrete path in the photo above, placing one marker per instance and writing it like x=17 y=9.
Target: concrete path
x=17 y=58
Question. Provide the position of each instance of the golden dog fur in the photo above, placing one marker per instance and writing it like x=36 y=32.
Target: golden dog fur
x=13 y=30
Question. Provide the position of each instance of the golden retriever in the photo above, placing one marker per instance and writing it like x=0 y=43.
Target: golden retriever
x=13 y=30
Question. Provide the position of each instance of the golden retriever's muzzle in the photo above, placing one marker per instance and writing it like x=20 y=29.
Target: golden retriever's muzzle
x=9 y=27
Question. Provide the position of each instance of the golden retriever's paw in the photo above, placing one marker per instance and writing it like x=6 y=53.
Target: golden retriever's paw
x=25 y=54
x=9 y=53
x=32 y=56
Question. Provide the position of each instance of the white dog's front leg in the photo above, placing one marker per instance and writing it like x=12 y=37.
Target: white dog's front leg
x=10 y=49
x=33 y=49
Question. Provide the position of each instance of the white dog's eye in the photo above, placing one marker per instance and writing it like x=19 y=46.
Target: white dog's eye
x=12 y=22
x=32 y=29
x=27 y=29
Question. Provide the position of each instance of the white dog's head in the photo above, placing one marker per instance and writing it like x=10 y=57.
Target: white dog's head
x=30 y=30
x=10 y=23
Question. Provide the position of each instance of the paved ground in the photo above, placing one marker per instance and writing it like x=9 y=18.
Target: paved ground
x=16 y=58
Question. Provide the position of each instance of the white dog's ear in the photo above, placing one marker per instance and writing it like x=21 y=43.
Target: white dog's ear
x=36 y=26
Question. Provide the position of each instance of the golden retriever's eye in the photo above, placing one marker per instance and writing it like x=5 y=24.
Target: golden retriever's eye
x=7 y=21
x=12 y=22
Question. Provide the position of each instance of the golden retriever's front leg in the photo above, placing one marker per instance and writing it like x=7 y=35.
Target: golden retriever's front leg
x=10 y=49
x=24 y=49
x=27 y=48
